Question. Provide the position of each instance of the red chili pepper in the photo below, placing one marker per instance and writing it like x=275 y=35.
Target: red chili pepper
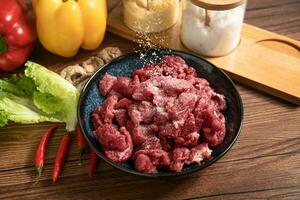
x=17 y=34
x=40 y=154
x=61 y=156
x=93 y=163
x=81 y=144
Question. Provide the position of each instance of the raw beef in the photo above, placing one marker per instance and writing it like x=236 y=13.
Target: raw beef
x=117 y=145
x=180 y=156
x=107 y=83
x=165 y=117
x=158 y=159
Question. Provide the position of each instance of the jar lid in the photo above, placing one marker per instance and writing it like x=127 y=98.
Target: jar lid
x=218 y=4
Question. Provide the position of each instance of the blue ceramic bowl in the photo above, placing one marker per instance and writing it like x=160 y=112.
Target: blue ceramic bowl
x=90 y=98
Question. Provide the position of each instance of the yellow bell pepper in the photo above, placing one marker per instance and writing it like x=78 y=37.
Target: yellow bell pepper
x=63 y=26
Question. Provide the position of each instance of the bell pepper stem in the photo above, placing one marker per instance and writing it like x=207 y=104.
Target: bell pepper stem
x=3 y=46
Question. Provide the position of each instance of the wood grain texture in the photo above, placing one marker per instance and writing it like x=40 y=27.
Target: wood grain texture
x=258 y=61
x=263 y=164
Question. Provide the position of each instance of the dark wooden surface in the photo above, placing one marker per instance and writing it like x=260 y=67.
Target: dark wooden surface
x=263 y=164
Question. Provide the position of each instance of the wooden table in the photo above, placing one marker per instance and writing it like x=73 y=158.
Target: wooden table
x=264 y=163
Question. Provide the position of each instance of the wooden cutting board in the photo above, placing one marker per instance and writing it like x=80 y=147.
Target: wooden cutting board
x=263 y=60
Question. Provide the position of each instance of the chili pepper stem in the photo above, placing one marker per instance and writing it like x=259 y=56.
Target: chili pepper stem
x=40 y=170
x=81 y=144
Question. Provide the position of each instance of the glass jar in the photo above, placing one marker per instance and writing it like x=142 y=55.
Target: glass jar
x=212 y=29
x=148 y=16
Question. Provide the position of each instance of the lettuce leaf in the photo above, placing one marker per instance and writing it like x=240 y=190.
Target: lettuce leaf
x=54 y=94
x=11 y=110
x=36 y=96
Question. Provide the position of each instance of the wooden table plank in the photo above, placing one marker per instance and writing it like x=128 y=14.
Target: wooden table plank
x=264 y=163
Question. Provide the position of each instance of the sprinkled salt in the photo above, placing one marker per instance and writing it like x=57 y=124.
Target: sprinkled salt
x=160 y=110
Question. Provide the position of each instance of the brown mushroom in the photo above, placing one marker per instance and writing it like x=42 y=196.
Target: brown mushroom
x=74 y=74
x=109 y=53
x=92 y=64
x=81 y=84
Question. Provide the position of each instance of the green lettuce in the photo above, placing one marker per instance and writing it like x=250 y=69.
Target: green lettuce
x=38 y=95
x=19 y=113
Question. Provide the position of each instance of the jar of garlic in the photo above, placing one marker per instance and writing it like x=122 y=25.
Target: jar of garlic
x=148 y=16
x=212 y=27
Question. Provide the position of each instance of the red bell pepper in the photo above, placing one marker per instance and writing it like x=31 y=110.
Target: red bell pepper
x=17 y=34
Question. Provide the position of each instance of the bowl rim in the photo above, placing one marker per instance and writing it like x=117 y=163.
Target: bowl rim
x=167 y=174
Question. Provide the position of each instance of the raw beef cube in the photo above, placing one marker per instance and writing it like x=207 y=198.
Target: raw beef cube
x=158 y=157
x=122 y=86
x=214 y=138
x=145 y=91
x=107 y=110
x=121 y=117
x=199 y=121
x=200 y=83
x=97 y=118
x=190 y=133
x=111 y=139
x=173 y=66
x=159 y=99
x=190 y=71
x=151 y=143
x=166 y=145
x=189 y=140
x=130 y=126
x=191 y=79
x=214 y=127
x=120 y=155
x=134 y=114
x=202 y=105
x=169 y=130
x=219 y=101
x=117 y=94
x=190 y=125
x=161 y=117
x=123 y=103
x=107 y=83
x=135 y=82
x=147 y=111
x=192 y=139
x=140 y=134
x=154 y=128
x=174 y=87
x=149 y=70
x=140 y=94
x=142 y=73
x=180 y=156
x=174 y=61
x=204 y=92
x=183 y=106
x=144 y=164
x=200 y=153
